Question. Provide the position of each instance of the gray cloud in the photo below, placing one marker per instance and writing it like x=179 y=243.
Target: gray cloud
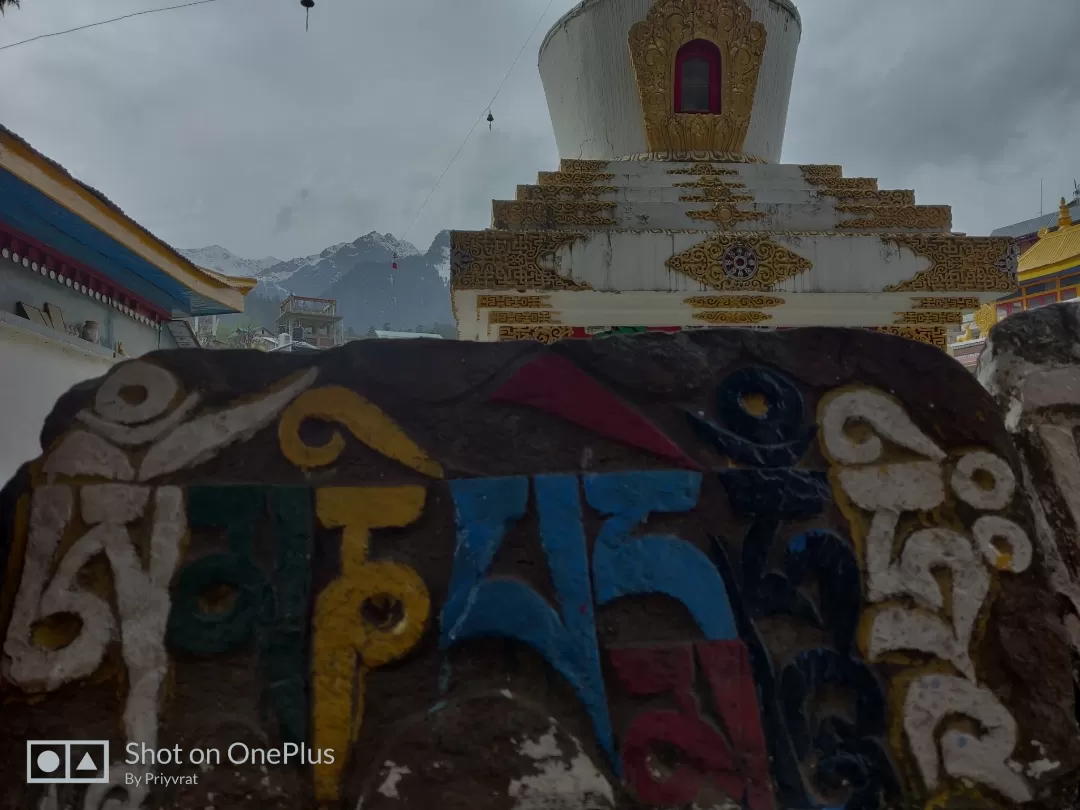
x=209 y=124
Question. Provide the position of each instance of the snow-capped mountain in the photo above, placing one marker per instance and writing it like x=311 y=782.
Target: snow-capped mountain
x=359 y=274
x=218 y=258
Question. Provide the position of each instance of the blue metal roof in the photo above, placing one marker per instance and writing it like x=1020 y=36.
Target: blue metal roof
x=1036 y=224
x=28 y=210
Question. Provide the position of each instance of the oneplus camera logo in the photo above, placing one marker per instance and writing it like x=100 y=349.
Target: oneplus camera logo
x=78 y=762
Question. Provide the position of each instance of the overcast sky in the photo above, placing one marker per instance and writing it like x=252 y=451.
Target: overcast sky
x=226 y=123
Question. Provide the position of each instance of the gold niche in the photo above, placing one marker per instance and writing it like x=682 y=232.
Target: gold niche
x=572 y=178
x=504 y=316
x=733 y=301
x=531 y=214
x=926 y=217
x=984 y=263
x=544 y=334
x=927 y=317
x=695 y=156
x=578 y=166
x=934 y=335
x=572 y=192
x=512 y=301
x=727 y=216
x=654 y=44
x=703 y=169
x=717 y=194
x=736 y=262
x=820 y=174
x=966 y=302
x=509 y=260
x=728 y=317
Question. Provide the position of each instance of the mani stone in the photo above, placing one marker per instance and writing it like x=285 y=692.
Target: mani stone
x=776 y=571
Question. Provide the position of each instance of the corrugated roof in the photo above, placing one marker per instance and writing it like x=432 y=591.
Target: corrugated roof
x=1030 y=226
x=1052 y=248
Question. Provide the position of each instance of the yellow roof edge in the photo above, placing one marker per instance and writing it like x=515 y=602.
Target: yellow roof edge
x=243 y=284
x=52 y=180
x=1057 y=249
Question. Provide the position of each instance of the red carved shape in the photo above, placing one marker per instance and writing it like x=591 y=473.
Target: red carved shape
x=738 y=764
x=554 y=384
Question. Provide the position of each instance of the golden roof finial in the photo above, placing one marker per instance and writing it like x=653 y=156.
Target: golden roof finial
x=1064 y=217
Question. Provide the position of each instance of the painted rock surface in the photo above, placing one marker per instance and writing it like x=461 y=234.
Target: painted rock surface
x=717 y=570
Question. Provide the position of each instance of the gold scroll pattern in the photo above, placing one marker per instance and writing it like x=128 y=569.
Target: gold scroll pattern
x=928 y=318
x=498 y=316
x=572 y=178
x=926 y=217
x=737 y=262
x=564 y=192
x=985 y=317
x=717 y=194
x=692 y=156
x=654 y=43
x=518 y=214
x=733 y=318
x=818 y=175
x=509 y=260
x=703 y=169
x=733 y=301
x=710 y=181
x=934 y=335
x=726 y=216
x=543 y=334
x=958 y=263
x=513 y=301
x=955 y=302
x=578 y=166
x=869 y=196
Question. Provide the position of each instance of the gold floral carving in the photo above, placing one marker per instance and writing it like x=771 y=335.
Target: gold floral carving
x=985 y=317
x=693 y=156
x=654 y=43
x=572 y=178
x=573 y=192
x=578 y=166
x=870 y=196
x=709 y=181
x=505 y=316
x=512 y=301
x=518 y=214
x=544 y=334
x=726 y=216
x=934 y=335
x=958 y=263
x=956 y=302
x=737 y=262
x=926 y=217
x=927 y=317
x=728 y=317
x=509 y=260
x=733 y=301
x=717 y=194
x=702 y=169
x=817 y=175
x=834 y=186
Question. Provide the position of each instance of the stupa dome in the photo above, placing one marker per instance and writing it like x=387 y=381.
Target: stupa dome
x=627 y=78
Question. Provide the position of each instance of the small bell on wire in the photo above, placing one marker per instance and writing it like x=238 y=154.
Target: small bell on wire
x=308 y=5
x=393 y=262
x=490 y=118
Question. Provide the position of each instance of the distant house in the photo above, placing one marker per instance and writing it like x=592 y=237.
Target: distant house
x=82 y=286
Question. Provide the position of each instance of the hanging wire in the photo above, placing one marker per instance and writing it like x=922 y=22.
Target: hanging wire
x=487 y=111
x=105 y=22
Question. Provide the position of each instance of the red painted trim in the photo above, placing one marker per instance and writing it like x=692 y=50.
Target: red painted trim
x=20 y=243
x=700 y=49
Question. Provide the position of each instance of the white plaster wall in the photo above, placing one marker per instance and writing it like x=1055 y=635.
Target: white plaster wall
x=592 y=94
x=37 y=370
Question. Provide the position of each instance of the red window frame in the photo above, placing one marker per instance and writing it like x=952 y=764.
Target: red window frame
x=700 y=49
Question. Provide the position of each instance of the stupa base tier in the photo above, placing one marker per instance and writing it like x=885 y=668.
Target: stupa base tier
x=697 y=262
x=490 y=316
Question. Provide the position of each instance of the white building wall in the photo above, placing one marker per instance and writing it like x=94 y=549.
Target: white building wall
x=592 y=94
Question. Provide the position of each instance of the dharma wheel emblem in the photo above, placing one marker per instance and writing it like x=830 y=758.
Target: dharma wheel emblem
x=740 y=263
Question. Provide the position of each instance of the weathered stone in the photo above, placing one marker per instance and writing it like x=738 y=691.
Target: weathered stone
x=769 y=570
